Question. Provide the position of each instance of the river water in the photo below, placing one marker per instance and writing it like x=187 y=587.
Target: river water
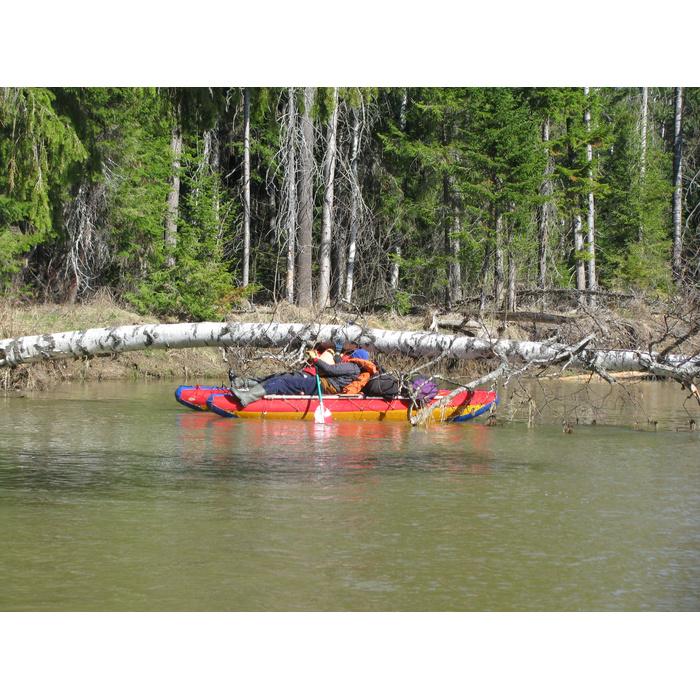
x=113 y=497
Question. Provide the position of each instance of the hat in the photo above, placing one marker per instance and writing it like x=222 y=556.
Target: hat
x=361 y=354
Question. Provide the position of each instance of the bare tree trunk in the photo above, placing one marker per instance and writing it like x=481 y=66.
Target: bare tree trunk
x=498 y=268
x=452 y=228
x=324 y=284
x=354 y=207
x=291 y=184
x=306 y=202
x=543 y=218
x=246 y=187
x=395 y=269
x=173 y=197
x=677 y=187
x=578 y=248
x=643 y=154
x=590 y=223
x=643 y=138
x=511 y=298
x=211 y=141
x=455 y=266
x=485 y=269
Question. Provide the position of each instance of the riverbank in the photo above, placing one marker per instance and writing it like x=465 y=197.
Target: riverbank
x=637 y=326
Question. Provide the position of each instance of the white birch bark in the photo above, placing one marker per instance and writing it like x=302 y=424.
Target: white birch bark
x=452 y=245
x=395 y=269
x=173 y=198
x=643 y=137
x=511 y=298
x=578 y=247
x=643 y=155
x=677 y=186
x=246 y=187
x=291 y=182
x=304 y=285
x=590 y=232
x=416 y=344
x=455 y=267
x=354 y=210
x=543 y=217
x=324 y=282
x=498 y=266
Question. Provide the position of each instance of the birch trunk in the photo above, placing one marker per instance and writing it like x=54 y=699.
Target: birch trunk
x=416 y=344
x=291 y=195
x=578 y=247
x=246 y=187
x=643 y=155
x=395 y=269
x=485 y=269
x=455 y=267
x=173 y=198
x=354 y=207
x=512 y=297
x=544 y=209
x=643 y=138
x=324 y=283
x=306 y=202
x=452 y=247
x=590 y=223
x=677 y=186
x=498 y=267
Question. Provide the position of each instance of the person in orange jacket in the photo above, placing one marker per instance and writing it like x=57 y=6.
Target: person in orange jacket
x=367 y=369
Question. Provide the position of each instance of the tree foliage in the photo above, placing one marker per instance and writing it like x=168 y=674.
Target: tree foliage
x=439 y=193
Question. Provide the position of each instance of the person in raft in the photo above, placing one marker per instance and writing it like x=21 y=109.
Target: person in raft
x=337 y=374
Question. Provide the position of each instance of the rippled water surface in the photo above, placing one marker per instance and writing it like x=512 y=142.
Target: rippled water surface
x=115 y=497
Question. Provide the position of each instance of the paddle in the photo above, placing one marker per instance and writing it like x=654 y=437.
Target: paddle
x=321 y=414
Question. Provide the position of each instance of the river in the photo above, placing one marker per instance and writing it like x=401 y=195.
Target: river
x=113 y=497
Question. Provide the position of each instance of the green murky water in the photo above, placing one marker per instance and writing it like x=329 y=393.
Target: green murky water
x=113 y=497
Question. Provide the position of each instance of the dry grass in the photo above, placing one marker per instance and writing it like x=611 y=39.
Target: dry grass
x=23 y=319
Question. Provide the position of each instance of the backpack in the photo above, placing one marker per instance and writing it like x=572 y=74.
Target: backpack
x=382 y=384
x=423 y=388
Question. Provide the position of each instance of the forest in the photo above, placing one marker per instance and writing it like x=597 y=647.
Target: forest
x=186 y=203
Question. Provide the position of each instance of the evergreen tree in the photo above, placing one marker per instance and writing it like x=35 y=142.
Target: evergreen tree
x=39 y=150
x=183 y=201
x=634 y=217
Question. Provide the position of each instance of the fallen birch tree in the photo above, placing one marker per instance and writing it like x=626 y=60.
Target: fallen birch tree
x=518 y=354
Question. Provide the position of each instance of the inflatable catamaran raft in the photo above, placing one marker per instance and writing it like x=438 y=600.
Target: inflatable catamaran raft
x=220 y=400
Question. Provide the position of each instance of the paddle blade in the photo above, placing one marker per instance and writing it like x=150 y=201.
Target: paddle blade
x=323 y=415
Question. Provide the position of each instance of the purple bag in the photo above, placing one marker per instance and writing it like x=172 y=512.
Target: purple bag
x=423 y=388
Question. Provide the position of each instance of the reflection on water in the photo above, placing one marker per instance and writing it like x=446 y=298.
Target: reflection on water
x=638 y=403
x=115 y=497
